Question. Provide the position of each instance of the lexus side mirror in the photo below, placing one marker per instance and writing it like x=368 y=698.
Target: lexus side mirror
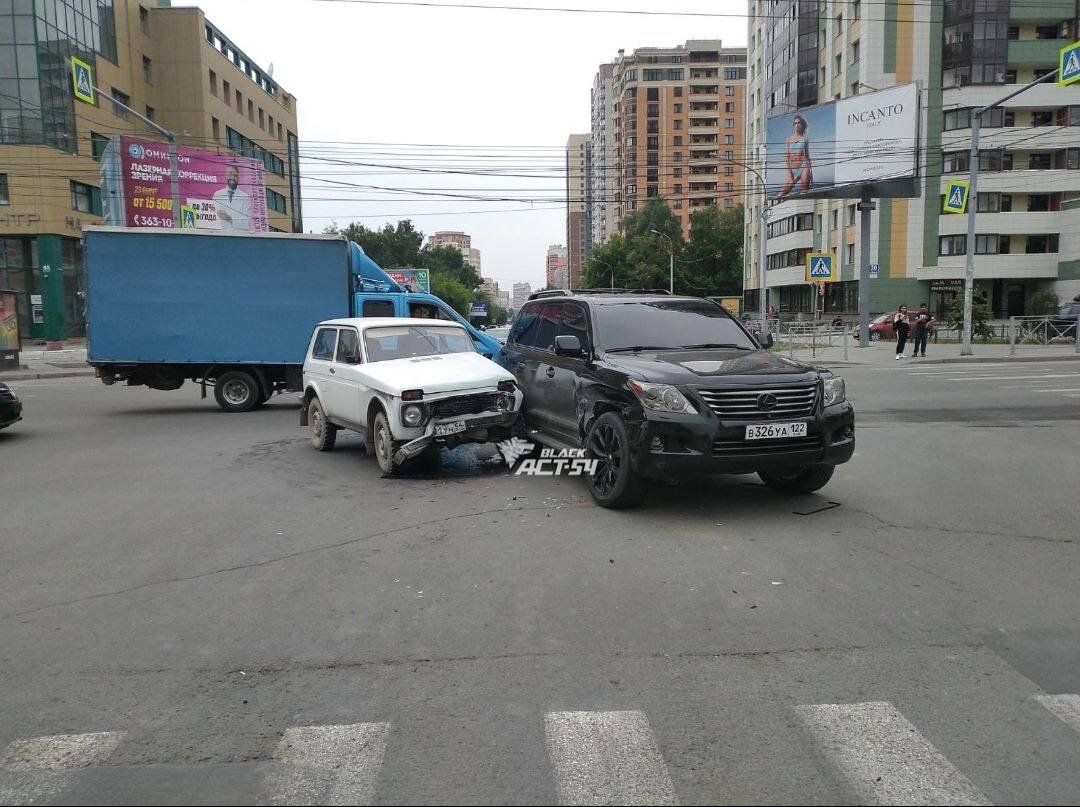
x=766 y=340
x=568 y=346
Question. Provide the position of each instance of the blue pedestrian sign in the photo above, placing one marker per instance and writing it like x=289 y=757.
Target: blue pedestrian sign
x=82 y=80
x=820 y=268
x=1069 y=64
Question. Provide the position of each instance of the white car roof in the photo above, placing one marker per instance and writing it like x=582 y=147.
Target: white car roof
x=375 y=322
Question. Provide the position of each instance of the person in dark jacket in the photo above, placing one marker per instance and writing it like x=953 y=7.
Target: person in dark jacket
x=901 y=326
x=923 y=318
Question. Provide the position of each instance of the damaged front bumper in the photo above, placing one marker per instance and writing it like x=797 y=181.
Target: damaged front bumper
x=479 y=428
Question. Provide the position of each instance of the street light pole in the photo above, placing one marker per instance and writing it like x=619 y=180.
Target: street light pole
x=671 y=260
x=973 y=205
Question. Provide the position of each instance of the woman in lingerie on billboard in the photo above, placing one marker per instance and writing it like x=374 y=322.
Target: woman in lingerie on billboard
x=800 y=173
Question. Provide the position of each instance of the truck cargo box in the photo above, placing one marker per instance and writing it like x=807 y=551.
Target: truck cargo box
x=190 y=297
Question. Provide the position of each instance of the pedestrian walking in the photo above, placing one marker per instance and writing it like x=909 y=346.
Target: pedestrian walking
x=901 y=326
x=923 y=318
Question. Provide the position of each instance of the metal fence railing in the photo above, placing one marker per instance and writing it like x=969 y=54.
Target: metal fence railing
x=1042 y=331
x=812 y=336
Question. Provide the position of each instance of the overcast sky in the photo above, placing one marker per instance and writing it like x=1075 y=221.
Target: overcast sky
x=514 y=84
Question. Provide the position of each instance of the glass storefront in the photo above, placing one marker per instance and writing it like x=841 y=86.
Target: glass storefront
x=20 y=271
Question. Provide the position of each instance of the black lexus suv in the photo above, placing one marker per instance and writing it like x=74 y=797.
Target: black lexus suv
x=663 y=387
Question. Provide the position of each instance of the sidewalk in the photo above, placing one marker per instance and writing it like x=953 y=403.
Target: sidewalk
x=883 y=354
x=37 y=362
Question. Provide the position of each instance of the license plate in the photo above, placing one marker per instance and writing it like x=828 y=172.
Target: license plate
x=443 y=429
x=774 y=431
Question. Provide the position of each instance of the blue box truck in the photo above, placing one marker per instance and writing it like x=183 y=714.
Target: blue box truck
x=230 y=310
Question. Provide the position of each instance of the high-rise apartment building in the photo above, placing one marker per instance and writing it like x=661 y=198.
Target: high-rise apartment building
x=460 y=241
x=578 y=227
x=602 y=178
x=521 y=294
x=170 y=64
x=964 y=55
x=557 y=274
x=670 y=122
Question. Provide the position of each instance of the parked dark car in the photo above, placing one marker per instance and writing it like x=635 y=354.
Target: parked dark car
x=656 y=386
x=1064 y=321
x=10 y=406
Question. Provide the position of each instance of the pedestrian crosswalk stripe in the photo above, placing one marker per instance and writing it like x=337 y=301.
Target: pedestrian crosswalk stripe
x=345 y=758
x=39 y=768
x=1065 y=707
x=607 y=758
x=60 y=752
x=884 y=758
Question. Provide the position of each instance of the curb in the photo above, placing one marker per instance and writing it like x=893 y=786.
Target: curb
x=31 y=376
x=954 y=360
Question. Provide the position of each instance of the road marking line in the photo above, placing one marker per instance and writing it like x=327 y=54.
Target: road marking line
x=1065 y=707
x=1010 y=377
x=352 y=754
x=1066 y=389
x=884 y=757
x=607 y=758
x=41 y=767
x=60 y=752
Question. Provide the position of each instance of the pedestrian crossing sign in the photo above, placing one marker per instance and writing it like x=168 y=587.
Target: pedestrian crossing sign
x=188 y=217
x=82 y=80
x=820 y=268
x=956 y=196
x=1069 y=64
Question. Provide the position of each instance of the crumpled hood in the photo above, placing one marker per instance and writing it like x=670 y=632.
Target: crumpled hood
x=696 y=366
x=449 y=372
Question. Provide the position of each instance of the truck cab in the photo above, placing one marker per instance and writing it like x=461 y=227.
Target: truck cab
x=420 y=305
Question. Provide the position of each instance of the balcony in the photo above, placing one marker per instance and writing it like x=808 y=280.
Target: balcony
x=1043 y=11
x=1036 y=52
x=703 y=157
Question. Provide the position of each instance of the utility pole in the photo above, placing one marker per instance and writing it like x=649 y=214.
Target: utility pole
x=866 y=207
x=973 y=205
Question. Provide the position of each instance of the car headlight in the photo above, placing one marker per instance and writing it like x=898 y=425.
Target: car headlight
x=504 y=402
x=412 y=415
x=660 y=397
x=835 y=391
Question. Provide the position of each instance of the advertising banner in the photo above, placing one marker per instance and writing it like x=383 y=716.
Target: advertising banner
x=9 y=321
x=415 y=280
x=478 y=310
x=833 y=150
x=217 y=191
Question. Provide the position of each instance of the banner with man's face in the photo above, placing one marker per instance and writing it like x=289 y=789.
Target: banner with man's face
x=227 y=192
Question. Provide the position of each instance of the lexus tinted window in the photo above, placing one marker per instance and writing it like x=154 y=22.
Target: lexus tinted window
x=525 y=326
x=575 y=323
x=324 y=344
x=666 y=324
x=550 y=316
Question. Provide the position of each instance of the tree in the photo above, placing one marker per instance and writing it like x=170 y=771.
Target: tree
x=980 y=313
x=392 y=247
x=449 y=262
x=1043 y=303
x=712 y=261
x=638 y=256
x=452 y=292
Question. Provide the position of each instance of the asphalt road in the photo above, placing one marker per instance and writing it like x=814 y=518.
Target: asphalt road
x=198 y=607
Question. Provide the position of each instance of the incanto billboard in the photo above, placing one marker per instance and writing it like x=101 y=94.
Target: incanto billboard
x=837 y=149
x=217 y=191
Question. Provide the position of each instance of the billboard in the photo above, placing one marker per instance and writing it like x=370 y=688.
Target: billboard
x=412 y=279
x=220 y=191
x=478 y=310
x=836 y=149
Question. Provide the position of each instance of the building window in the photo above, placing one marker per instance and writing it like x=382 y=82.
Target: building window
x=1013 y=32
x=144 y=20
x=856 y=10
x=729 y=106
x=677 y=157
x=5 y=199
x=123 y=98
x=851 y=215
x=676 y=203
x=251 y=111
x=239 y=102
x=729 y=203
x=98 y=142
x=1037 y=244
x=85 y=198
x=855 y=52
x=147 y=70
x=1046 y=32
x=678 y=109
x=1039 y=161
x=262 y=120
x=989 y=203
x=952 y=245
x=729 y=123
x=215 y=129
x=150 y=113
x=213 y=84
x=957 y=119
x=1040 y=202
x=991 y=245
x=676 y=140
x=275 y=201
x=729 y=171
x=849 y=254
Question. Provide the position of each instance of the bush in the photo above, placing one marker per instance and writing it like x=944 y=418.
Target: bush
x=1043 y=303
x=980 y=313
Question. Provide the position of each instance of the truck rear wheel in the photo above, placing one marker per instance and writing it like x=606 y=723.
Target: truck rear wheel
x=237 y=391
